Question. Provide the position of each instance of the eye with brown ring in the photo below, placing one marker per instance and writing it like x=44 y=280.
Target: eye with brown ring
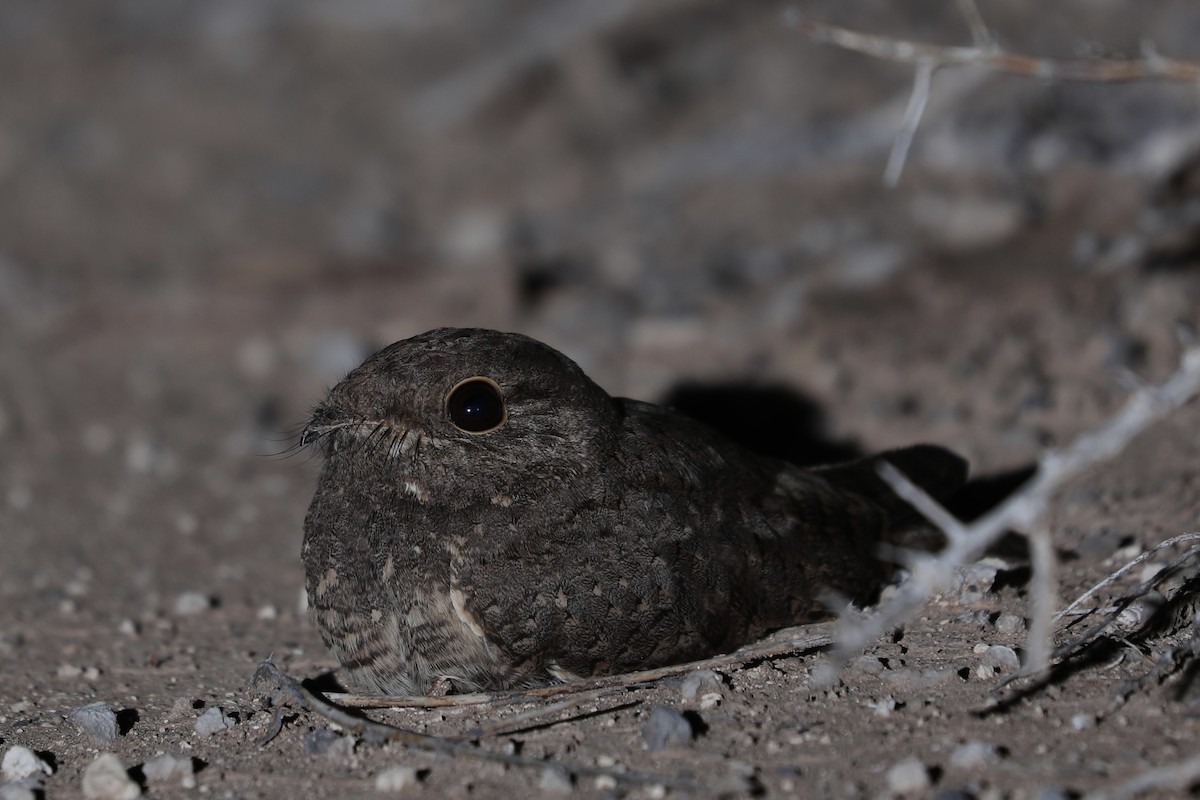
x=476 y=405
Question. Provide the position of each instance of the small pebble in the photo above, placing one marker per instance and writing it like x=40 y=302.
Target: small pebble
x=973 y=582
x=907 y=678
x=555 y=780
x=25 y=789
x=869 y=665
x=666 y=727
x=1001 y=658
x=908 y=777
x=1081 y=722
x=1010 y=623
x=319 y=741
x=695 y=683
x=395 y=779
x=214 y=720
x=106 y=779
x=170 y=767
x=191 y=603
x=96 y=720
x=267 y=612
x=973 y=755
x=21 y=762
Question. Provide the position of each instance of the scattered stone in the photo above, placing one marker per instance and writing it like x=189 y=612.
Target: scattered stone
x=191 y=603
x=1081 y=722
x=1001 y=658
x=214 y=720
x=666 y=727
x=342 y=750
x=396 y=779
x=912 y=678
x=555 y=780
x=868 y=665
x=973 y=755
x=97 y=721
x=320 y=741
x=1010 y=623
x=267 y=612
x=129 y=627
x=972 y=583
x=106 y=779
x=24 y=789
x=167 y=767
x=21 y=762
x=908 y=777
x=705 y=685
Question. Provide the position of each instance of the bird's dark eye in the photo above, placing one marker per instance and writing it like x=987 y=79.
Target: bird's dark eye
x=476 y=406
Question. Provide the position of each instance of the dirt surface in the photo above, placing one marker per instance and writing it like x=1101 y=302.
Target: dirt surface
x=211 y=211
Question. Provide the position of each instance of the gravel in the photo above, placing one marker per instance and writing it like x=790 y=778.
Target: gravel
x=97 y=721
x=167 y=767
x=21 y=762
x=396 y=779
x=908 y=778
x=214 y=720
x=106 y=779
x=667 y=727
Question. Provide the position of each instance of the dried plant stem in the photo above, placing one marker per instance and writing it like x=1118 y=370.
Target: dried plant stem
x=1150 y=66
x=1021 y=512
x=780 y=645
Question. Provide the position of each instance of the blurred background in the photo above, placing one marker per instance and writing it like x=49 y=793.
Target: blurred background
x=210 y=211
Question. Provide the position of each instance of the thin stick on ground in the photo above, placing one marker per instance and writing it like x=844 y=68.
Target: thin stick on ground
x=268 y=672
x=1021 y=513
x=1116 y=576
x=778 y=646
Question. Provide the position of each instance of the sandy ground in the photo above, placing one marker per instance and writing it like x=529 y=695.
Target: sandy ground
x=211 y=211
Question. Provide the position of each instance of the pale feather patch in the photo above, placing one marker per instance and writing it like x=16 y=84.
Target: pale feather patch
x=327 y=582
x=459 y=602
x=418 y=491
x=560 y=673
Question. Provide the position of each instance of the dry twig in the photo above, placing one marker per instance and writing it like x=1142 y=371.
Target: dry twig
x=987 y=54
x=781 y=644
x=1021 y=512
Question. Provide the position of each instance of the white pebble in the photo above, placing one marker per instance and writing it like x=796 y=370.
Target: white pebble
x=169 y=767
x=1082 y=722
x=908 y=777
x=267 y=612
x=1001 y=658
x=214 y=720
x=555 y=780
x=190 y=603
x=973 y=755
x=1010 y=623
x=28 y=789
x=699 y=683
x=106 y=779
x=96 y=720
x=395 y=779
x=21 y=762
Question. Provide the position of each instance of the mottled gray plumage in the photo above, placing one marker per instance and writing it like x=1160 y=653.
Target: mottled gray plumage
x=584 y=535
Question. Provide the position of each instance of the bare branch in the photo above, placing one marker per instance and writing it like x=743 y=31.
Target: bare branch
x=1115 y=576
x=1021 y=512
x=1150 y=66
x=912 y=118
x=980 y=32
